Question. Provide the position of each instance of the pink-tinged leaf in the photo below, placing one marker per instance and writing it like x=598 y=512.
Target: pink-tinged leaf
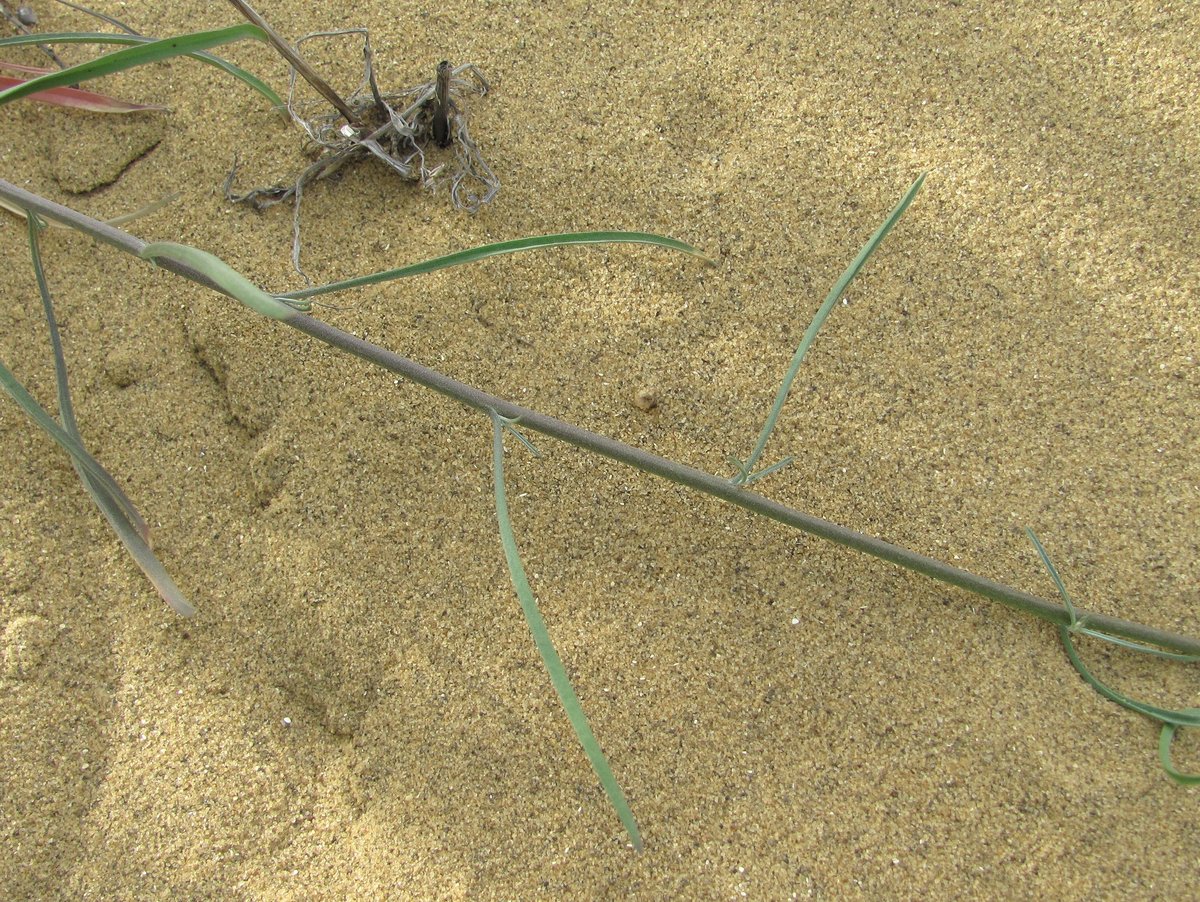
x=79 y=99
x=17 y=67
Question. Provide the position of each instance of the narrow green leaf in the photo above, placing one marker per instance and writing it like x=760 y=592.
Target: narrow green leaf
x=1165 y=738
x=541 y=639
x=100 y=484
x=1170 y=719
x=66 y=409
x=746 y=472
x=502 y=247
x=1136 y=646
x=1053 y=571
x=120 y=220
x=230 y=280
x=1186 y=717
x=748 y=478
x=117 y=507
x=15 y=390
x=144 y=50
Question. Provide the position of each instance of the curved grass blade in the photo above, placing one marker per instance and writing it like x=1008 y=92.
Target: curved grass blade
x=144 y=50
x=231 y=281
x=1079 y=625
x=545 y=647
x=104 y=491
x=1187 y=717
x=1053 y=571
x=1170 y=719
x=502 y=247
x=15 y=390
x=145 y=210
x=66 y=409
x=1136 y=646
x=1165 y=738
x=745 y=474
x=122 y=516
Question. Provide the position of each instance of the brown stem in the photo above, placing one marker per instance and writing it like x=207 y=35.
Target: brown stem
x=297 y=62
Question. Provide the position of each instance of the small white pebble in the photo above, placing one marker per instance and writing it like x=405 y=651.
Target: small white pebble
x=287 y=721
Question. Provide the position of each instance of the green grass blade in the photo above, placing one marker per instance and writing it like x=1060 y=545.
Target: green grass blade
x=501 y=247
x=1053 y=571
x=118 y=510
x=1186 y=717
x=15 y=390
x=545 y=647
x=1078 y=625
x=143 y=51
x=229 y=279
x=745 y=472
x=1165 y=738
x=66 y=409
x=1183 y=717
x=105 y=487
x=100 y=37
x=146 y=210
x=69 y=443
x=1137 y=646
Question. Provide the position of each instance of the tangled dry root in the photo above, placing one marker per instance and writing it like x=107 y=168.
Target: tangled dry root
x=395 y=128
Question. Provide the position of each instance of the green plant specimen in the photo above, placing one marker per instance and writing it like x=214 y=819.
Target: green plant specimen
x=406 y=131
x=215 y=273
x=276 y=306
x=291 y=309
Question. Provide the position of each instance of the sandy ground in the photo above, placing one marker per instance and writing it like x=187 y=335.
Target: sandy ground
x=357 y=711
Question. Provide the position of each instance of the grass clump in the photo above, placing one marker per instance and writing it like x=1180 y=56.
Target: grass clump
x=402 y=129
x=396 y=128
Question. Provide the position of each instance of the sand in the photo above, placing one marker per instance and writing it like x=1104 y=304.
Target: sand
x=357 y=710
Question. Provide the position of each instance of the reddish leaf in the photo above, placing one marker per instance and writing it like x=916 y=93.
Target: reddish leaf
x=74 y=97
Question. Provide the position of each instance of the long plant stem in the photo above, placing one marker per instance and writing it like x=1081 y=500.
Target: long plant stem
x=297 y=61
x=642 y=460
